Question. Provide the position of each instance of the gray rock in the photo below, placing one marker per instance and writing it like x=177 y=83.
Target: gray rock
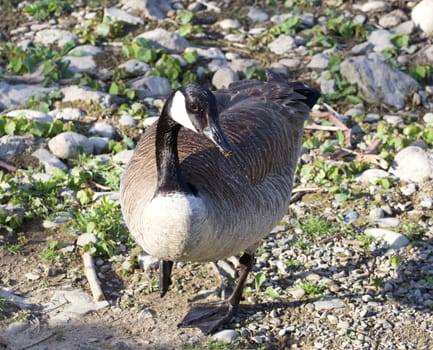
x=13 y=146
x=409 y=189
x=209 y=53
x=371 y=175
x=217 y=64
x=394 y=240
x=372 y=118
x=257 y=15
x=81 y=58
x=17 y=327
x=376 y=213
x=283 y=44
x=68 y=144
x=328 y=304
x=103 y=129
x=413 y=164
x=319 y=61
x=428 y=118
x=50 y=161
x=78 y=304
x=68 y=113
x=135 y=66
x=393 y=119
x=123 y=157
x=100 y=144
x=224 y=77
x=127 y=120
x=377 y=81
x=422 y=16
x=359 y=19
x=15 y=95
x=373 y=6
x=74 y=93
x=308 y=19
x=297 y=293
x=152 y=86
x=406 y=27
x=31 y=114
x=327 y=86
x=392 y=19
x=229 y=23
x=240 y=65
x=153 y=9
x=381 y=39
x=226 y=336
x=10 y=209
x=387 y=222
x=148 y=262
x=362 y=49
x=290 y=62
x=86 y=238
x=119 y=15
x=31 y=276
x=52 y=36
x=161 y=38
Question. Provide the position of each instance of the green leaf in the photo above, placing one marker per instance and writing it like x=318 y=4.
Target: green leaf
x=103 y=29
x=185 y=16
x=259 y=279
x=10 y=127
x=114 y=89
x=190 y=57
x=272 y=293
x=185 y=29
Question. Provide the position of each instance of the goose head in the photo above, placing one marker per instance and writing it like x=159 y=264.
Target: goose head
x=195 y=107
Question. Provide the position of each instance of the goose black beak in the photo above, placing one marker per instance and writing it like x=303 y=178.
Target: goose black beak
x=214 y=132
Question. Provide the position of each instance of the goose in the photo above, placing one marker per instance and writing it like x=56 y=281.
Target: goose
x=213 y=176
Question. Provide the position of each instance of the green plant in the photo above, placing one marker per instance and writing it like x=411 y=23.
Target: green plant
x=140 y=49
x=52 y=253
x=312 y=289
x=44 y=102
x=294 y=265
x=43 y=9
x=317 y=226
x=346 y=28
x=421 y=72
x=3 y=303
x=109 y=28
x=395 y=261
x=186 y=28
x=22 y=316
x=23 y=126
x=366 y=240
x=259 y=279
x=13 y=249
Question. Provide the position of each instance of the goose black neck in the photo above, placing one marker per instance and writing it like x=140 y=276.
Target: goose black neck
x=167 y=159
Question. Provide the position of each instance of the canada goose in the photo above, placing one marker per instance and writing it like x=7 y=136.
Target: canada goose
x=183 y=199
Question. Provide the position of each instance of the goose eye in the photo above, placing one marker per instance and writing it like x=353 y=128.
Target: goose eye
x=193 y=107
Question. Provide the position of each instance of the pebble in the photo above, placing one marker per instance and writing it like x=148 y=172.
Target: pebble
x=75 y=93
x=421 y=16
x=393 y=119
x=119 y=15
x=328 y=304
x=68 y=114
x=68 y=144
x=103 y=129
x=86 y=238
x=428 y=118
x=381 y=39
x=148 y=262
x=100 y=144
x=223 y=77
x=283 y=44
x=32 y=276
x=226 y=336
x=257 y=15
x=30 y=114
x=409 y=189
x=152 y=86
x=371 y=175
x=387 y=222
x=52 y=36
x=229 y=23
x=170 y=41
x=134 y=66
x=319 y=61
x=394 y=240
x=50 y=161
x=413 y=164
x=12 y=146
x=127 y=120
x=15 y=95
x=152 y=9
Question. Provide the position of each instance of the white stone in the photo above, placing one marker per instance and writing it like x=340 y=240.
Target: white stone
x=428 y=118
x=328 y=304
x=68 y=113
x=16 y=95
x=148 y=262
x=57 y=37
x=31 y=114
x=226 y=336
x=170 y=41
x=127 y=120
x=393 y=119
x=152 y=86
x=257 y=15
x=32 y=276
x=381 y=39
x=103 y=129
x=49 y=160
x=122 y=16
x=74 y=93
x=413 y=164
x=68 y=144
x=229 y=23
x=283 y=44
x=135 y=66
x=86 y=238
x=395 y=240
x=371 y=175
x=12 y=146
x=223 y=77
x=373 y=6
x=319 y=61
x=153 y=9
x=209 y=53
x=422 y=16
x=297 y=294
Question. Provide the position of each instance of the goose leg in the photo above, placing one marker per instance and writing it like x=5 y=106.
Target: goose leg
x=209 y=316
x=165 y=268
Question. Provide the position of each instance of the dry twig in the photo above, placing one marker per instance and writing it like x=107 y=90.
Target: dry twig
x=92 y=278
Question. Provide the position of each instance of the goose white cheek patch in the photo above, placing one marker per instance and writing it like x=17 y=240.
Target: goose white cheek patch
x=179 y=113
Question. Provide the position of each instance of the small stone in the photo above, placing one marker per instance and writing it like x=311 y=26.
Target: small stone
x=32 y=276
x=68 y=144
x=371 y=175
x=68 y=113
x=372 y=118
x=297 y=294
x=16 y=327
x=374 y=6
x=381 y=39
x=74 y=93
x=409 y=189
x=257 y=15
x=319 y=61
x=161 y=38
x=328 y=304
x=422 y=16
x=152 y=86
x=57 y=37
x=283 y=44
x=226 y=336
x=100 y=144
x=229 y=23
x=426 y=203
x=290 y=62
x=86 y=238
x=103 y=129
x=351 y=217
x=413 y=164
x=49 y=160
x=395 y=240
x=406 y=27
x=135 y=66
x=328 y=86
x=393 y=119
x=119 y=15
x=428 y=118
x=146 y=313
x=388 y=222
x=30 y=114
x=223 y=77
x=153 y=9
x=127 y=120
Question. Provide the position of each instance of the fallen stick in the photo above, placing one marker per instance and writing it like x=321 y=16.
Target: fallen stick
x=7 y=167
x=38 y=342
x=92 y=278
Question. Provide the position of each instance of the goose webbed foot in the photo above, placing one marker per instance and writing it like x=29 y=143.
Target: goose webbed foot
x=208 y=317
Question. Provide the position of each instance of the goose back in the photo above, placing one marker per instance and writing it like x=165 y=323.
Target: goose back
x=243 y=196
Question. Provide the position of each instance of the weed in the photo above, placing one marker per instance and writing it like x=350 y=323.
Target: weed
x=366 y=240
x=395 y=261
x=317 y=226
x=259 y=279
x=13 y=249
x=294 y=265
x=22 y=316
x=3 y=304
x=312 y=289
x=43 y=9
x=52 y=253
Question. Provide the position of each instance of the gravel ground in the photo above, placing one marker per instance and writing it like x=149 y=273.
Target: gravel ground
x=351 y=264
